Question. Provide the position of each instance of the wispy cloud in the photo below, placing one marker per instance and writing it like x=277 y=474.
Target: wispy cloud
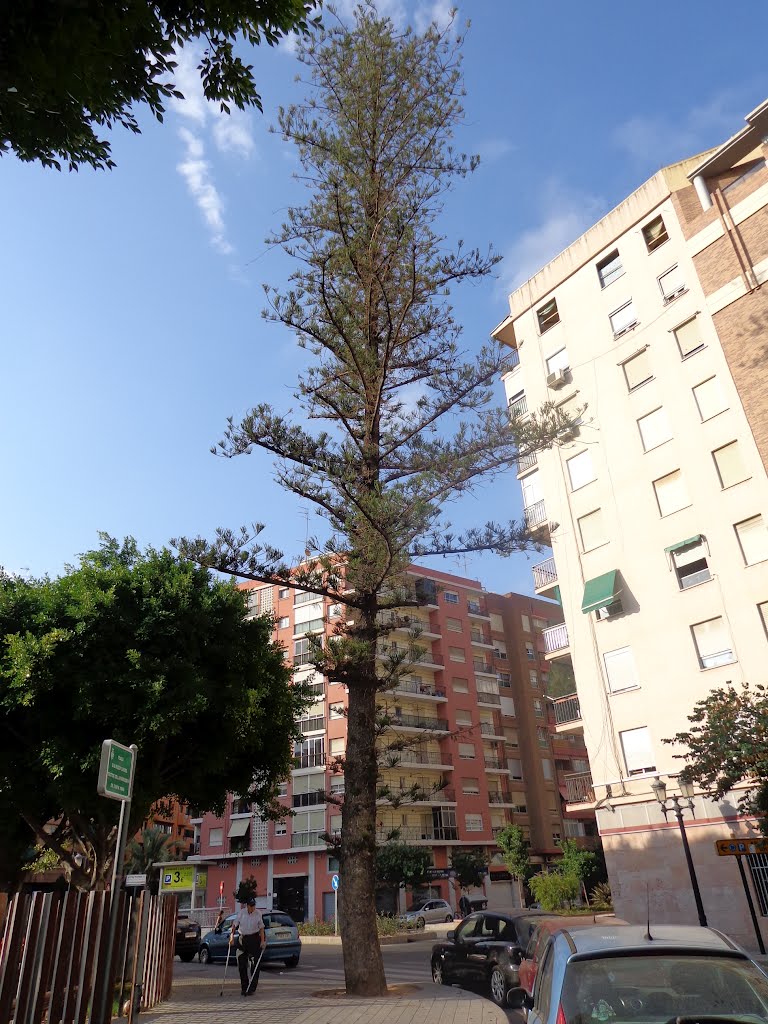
x=196 y=172
x=564 y=214
x=662 y=139
x=493 y=149
x=438 y=11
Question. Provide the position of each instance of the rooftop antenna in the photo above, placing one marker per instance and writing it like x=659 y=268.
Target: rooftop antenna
x=648 y=937
x=305 y=513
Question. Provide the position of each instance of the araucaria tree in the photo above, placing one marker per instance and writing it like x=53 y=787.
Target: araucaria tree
x=406 y=420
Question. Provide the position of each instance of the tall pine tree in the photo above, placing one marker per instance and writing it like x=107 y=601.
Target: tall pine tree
x=369 y=300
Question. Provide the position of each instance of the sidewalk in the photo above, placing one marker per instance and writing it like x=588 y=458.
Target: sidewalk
x=197 y=1001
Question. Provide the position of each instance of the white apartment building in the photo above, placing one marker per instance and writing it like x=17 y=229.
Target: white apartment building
x=655 y=504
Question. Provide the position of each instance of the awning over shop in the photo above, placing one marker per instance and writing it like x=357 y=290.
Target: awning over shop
x=239 y=827
x=684 y=543
x=601 y=591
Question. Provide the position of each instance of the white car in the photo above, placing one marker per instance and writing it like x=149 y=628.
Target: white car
x=426 y=911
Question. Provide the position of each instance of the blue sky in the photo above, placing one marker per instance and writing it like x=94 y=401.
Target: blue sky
x=131 y=299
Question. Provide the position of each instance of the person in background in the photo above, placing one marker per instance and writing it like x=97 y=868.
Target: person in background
x=465 y=907
x=250 y=925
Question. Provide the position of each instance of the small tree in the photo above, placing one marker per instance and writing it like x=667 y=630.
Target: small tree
x=399 y=865
x=246 y=890
x=516 y=854
x=69 y=69
x=727 y=744
x=576 y=862
x=151 y=848
x=471 y=866
x=554 y=890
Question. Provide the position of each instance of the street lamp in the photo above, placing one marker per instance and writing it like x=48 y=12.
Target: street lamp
x=686 y=793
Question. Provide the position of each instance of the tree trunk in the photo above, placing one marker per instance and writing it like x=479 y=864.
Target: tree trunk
x=363 y=963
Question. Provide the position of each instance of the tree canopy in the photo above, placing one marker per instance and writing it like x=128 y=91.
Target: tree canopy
x=69 y=70
x=398 y=419
x=471 y=866
x=401 y=864
x=144 y=648
x=727 y=744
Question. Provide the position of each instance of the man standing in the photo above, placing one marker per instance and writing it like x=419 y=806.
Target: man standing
x=250 y=924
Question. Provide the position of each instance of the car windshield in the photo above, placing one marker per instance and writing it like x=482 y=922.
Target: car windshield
x=417 y=906
x=278 y=921
x=647 y=989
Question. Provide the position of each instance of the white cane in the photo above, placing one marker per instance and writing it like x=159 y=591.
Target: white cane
x=255 y=969
x=226 y=965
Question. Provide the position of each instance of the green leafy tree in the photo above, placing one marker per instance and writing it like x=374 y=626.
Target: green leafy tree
x=728 y=744
x=152 y=847
x=516 y=853
x=246 y=890
x=399 y=864
x=554 y=890
x=561 y=680
x=142 y=648
x=471 y=866
x=406 y=418
x=70 y=70
x=576 y=862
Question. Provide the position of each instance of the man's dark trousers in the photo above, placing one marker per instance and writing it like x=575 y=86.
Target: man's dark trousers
x=250 y=947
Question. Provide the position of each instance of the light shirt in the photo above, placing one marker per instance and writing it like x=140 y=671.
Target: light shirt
x=249 y=923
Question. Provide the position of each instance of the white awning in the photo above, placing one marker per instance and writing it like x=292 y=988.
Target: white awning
x=239 y=827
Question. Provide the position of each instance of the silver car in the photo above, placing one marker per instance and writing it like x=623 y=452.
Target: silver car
x=623 y=975
x=426 y=912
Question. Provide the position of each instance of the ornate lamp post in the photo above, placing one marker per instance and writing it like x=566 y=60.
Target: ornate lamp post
x=673 y=803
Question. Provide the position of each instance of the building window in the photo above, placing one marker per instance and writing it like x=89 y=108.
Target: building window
x=283 y=622
x=312 y=626
x=546 y=767
x=688 y=337
x=730 y=466
x=473 y=822
x=654 y=429
x=592 y=530
x=539 y=624
x=466 y=751
x=637 y=370
x=282 y=789
x=610 y=269
x=457 y=654
x=762 y=610
x=216 y=837
x=459 y=685
x=470 y=786
x=547 y=315
x=530 y=652
x=531 y=487
x=638 y=751
x=451 y=597
x=505 y=680
x=713 y=643
x=515 y=768
x=558 y=361
x=517 y=405
x=621 y=670
x=753 y=540
x=580 y=469
x=333 y=864
x=533 y=677
x=690 y=564
x=301 y=652
x=672 y=283
x=453 y=625
x=336 y=710
x=283 y=592
x=623 y=319
x=538 y=708
x=655 y=234
x=463 y=720
x=338 y=746
x=671 y=493
x=542 y=735
x=334 y=611
x=710 y=399
x=280 y=828
x=337 y=785
x=526 y=623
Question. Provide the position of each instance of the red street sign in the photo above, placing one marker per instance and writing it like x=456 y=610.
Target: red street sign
x=221 y=888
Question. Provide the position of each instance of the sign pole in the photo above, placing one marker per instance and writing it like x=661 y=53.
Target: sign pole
x=335 y=911
x=751 y=905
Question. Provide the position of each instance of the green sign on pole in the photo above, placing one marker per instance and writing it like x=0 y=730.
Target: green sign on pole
x=115 y=771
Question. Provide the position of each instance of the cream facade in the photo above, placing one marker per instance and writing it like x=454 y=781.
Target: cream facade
x=655 y=505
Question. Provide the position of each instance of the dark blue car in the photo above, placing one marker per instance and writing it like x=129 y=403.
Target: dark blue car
x=283 y=942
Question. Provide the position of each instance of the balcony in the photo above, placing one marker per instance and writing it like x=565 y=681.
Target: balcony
x=422 y=657
x=488 y=697
x=303 y=839
x=536 y=516
x=526 y=462
x=312 y=724
x=494 y=763
x=404 y=721
x=489 y=729
x=499 y=797
x=518 y=407
x=480 y=638
x=545 y=575
x=317 y=796
x=578 y=788
x=315 y=759
x=446 y=833
x=434 y=757
x=483 y=667
x=574 y=829
x=567 y=710
x=477 y=610
x=420 y=689
x=556 y=638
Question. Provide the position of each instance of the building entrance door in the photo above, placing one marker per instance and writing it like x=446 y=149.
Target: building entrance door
x=293 y=895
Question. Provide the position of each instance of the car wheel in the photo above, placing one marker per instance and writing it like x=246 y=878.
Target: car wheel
x=420 y=922
x=439 y=975
x=498 y=985
x=204 y=956
x=448 y=917
x=187 y=956
x=292 y=961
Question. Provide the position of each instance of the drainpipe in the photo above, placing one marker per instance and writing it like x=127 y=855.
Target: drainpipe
x=733 y=235
x=702 y=192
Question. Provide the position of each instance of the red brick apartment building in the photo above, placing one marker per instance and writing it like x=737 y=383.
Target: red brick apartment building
x=477 y=699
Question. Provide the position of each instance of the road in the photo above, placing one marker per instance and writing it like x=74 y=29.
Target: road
x=321 y=967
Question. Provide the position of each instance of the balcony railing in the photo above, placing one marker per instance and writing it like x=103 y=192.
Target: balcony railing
x=493 y=762
x=535 y=515
x=317 y=796
x=418 y=722
x=485 y=697
x=499 y=797
x=418 y=657
x=476 y=608
x=555 y=638
x=481 y=665
x=309 y=760
x=567 y=709
x=545 y=574
x=574 y=828
x=423 y=757
x=578 y=788
x=416 y=832
x=489 y=729
x=479 y=636
x=312 y=724
x=526 y=462
x=299 y=839
x=518 y=407
x=425 y=689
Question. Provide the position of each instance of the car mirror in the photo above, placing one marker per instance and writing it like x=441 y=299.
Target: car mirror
x=217 y=929
x=516 y=957
x=452 y=935
x=527 y=1002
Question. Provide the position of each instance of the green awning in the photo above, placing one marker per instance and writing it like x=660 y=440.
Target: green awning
x=239 y=827
x=684 y=543
x=601 y=591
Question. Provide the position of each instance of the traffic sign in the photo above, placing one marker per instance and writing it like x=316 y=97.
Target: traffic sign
x=115 y=771
x=434 y=874
x=135 y=881
x=740 y=846
x=335 y=882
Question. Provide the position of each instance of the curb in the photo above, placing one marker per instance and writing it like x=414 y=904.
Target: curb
x=384 y=940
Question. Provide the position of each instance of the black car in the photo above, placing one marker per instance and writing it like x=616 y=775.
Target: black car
x=485 y=950
x=187 y=937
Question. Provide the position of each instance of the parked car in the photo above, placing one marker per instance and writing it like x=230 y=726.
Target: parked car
x=283 y=941
x=426 y=912
x=485 y=950
x=187 y=937
x=537 y=942
x=626 y=976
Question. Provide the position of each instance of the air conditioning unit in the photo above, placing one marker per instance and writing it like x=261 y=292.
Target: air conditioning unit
x=557 y=379
x=610 y=610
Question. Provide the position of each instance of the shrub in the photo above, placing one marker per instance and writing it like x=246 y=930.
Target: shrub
x=316 y=928
x=553 y=890
x=601 y=897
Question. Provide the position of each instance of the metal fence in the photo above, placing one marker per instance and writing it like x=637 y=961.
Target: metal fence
x=758 y=869
x=53 y=957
